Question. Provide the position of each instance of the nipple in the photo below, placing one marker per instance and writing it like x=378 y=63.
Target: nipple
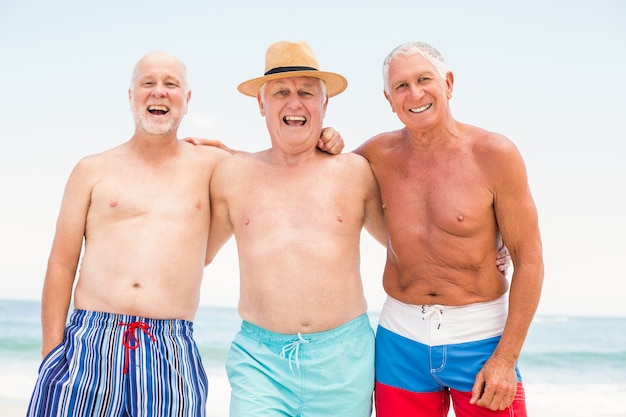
x=246 y=222
x=460 y=218
x=113 y=204
x=340 y=219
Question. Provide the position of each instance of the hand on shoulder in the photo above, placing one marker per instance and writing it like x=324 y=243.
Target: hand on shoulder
x=209 y=142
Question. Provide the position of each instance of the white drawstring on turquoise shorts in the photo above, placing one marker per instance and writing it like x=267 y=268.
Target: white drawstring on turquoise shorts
x=292 y=349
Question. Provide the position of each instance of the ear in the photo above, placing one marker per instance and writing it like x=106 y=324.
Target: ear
x=187 y=99
x=260 y=101
x=449 y=84
x=388 y=97
x=130 y=94
x=324 y=105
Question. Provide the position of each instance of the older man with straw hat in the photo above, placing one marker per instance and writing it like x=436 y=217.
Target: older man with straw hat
x=280 y=62
x=306 y=347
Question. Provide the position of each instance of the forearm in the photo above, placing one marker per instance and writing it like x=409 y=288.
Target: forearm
x=218 y=236
x=212 y=250
x=526 y=284
x=55 y=302
x=374 y=221
x=377 y=231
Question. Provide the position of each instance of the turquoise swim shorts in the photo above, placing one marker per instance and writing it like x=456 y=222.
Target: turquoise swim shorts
x=329 y=373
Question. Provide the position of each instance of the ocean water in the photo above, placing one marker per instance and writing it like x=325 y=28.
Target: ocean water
x=20 y=333
x=563 y=351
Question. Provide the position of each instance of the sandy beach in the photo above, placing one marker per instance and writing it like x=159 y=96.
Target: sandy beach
x=543 y=400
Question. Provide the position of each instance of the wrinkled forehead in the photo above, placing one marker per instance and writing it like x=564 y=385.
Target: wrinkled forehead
x=160 y=66
x=405 y=67
x=417 y=62
x=297 y=82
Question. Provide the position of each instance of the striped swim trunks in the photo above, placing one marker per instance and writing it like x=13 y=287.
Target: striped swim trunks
x=427 y=354
x=121 y=365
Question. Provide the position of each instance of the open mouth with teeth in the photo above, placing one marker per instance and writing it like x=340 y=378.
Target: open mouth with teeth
x=158 y=109
x=421 y=109
x=294 y=120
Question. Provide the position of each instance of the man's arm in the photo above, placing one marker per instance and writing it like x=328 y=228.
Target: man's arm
x=63 y=259
x=330 y=142
x=221 y=227
x=518 y=221
x=374 y=216
x=209 y=142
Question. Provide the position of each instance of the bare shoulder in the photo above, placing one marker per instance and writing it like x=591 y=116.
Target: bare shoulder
x=210 y=154
x=233 y=174
x=354 y=160
x=496 y=153
x=350 y=168
x=380 y=143
x=95 y=162
x=233 y=166
x=237 y=159
x=488 y=141
x=90 y=169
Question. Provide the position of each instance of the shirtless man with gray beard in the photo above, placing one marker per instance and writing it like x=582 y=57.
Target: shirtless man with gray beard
x=142 y=209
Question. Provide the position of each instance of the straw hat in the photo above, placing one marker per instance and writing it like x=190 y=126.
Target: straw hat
x=292 y=59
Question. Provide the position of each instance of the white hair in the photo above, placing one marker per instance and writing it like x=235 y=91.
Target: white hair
x=415 y=48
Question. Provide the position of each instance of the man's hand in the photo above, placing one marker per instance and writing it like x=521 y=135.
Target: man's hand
x=209 y=142
x=496 y=385
x=503 y=259
x=330 y=141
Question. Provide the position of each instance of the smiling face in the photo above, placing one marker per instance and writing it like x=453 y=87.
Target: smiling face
x=417 y=92
x=294 y=109
x=158 y=94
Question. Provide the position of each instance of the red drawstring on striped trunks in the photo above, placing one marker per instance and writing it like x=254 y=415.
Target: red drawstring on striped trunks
x=130 y=341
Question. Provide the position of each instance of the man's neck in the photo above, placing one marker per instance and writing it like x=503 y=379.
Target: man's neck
x=155 y=145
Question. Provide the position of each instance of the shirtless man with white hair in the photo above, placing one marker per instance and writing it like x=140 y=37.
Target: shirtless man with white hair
x=452 y=192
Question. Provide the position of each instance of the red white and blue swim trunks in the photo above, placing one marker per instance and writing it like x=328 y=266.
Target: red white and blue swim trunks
x=427 y=354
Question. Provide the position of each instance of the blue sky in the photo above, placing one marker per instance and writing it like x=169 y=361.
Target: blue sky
x=549 y=75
